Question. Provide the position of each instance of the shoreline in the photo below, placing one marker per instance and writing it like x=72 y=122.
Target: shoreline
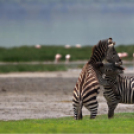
x=66 y=74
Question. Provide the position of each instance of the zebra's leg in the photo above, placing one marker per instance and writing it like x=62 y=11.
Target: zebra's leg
x=93 y=113
x=116 y=92
x=93 y=108
x=77 y=107
x=79 y=116
x=111 y=101
x=111 y=108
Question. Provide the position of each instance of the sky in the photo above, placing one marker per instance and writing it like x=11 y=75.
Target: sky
x=60 y=22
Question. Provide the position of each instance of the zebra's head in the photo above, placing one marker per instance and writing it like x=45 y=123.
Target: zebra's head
x=107 y=73
x=112 y=55
x=108 y=69
x=104 y=50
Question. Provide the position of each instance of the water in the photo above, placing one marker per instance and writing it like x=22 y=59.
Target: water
x=65 y=22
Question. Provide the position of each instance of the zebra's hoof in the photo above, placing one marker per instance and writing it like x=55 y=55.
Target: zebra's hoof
x=110 y=116
x=79 y=118
x=75 y=117
x=92 y=117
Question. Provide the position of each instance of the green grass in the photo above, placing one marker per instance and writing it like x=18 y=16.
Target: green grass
x=47 y=53
x=122 y=123
x=126 y=48
x=32 y=68
x=7 y=68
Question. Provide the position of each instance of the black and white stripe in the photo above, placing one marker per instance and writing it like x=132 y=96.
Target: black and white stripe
x=121 y=92
x=117 y=88
x=87 y=86
x=85 y=92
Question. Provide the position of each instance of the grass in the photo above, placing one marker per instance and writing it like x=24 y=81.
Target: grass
x=122 y=123
x=47 y=53
x=7 y=68
x=126 y=48
x=32 y=68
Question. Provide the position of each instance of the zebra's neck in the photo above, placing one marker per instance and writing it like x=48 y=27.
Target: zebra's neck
x=95 y=59
x=101 y=79
x=109 y=81
x=99 y=53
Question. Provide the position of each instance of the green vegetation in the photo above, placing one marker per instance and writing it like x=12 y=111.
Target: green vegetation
x=122 y=123
x=47 y=53
x=32 y=68
x=129 y=49
x=7 y=68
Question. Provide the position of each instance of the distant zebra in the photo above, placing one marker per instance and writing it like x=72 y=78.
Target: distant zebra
x=117 y=88
x=87 y=86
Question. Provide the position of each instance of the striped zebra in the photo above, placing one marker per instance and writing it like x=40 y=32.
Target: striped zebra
x=87 y=86
x=117 y=88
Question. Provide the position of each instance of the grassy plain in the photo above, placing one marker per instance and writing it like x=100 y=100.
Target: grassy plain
x=31 y=68
x=47 y=53
x=121 y=123
x=30 y=54
x=7 y=68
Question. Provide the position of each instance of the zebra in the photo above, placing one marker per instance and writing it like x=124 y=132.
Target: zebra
x=117 y=88
x=87 y=86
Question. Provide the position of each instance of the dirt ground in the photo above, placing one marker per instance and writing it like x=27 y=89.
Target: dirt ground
x=43 y=95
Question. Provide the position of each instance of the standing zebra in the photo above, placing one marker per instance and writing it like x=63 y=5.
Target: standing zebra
x=87 y=86
x=117 y=88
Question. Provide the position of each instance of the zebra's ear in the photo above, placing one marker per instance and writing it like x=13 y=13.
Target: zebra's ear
x=98 y=65
x=110 y=42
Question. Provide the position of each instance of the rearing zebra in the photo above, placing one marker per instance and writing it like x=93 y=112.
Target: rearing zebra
x=117 y=88
x=87 y=86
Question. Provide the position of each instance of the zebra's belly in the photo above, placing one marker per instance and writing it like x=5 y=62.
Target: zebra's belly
x=109 y=96
x=127 y=97
x=126 y=101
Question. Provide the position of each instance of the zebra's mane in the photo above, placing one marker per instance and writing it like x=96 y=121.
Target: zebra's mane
x=98 y=52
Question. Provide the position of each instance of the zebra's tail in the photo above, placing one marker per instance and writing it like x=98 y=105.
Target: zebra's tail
x=79 y=116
